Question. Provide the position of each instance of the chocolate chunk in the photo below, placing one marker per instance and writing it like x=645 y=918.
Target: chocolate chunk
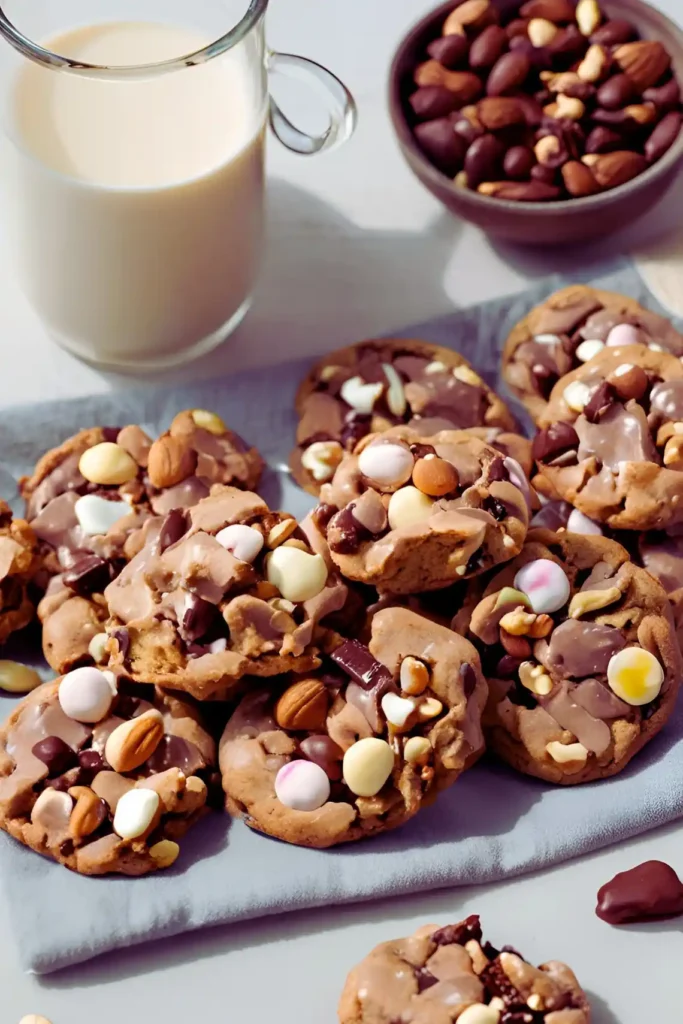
x=507 y=669
x=321 y=516
x=111 y=433
x=344 y=533
x=555 y=440
x=475 y=562
x=498 y=984
x=468 y=678
x=92 y=761
x=126 y=706
x=518 y=694
x=582 y=649
x=356 y=426
x=355 y=659
x=422 y=450
x=198 y=618
x=323 y=751
x=174 y=527
x=495 y=508
x=63 y=783
x=424 y=978
x=458 y=934
x=600 y=402
x=650 y=890
x=55 y=753
x=122 y=637
x=88 y=575
x=497 y=470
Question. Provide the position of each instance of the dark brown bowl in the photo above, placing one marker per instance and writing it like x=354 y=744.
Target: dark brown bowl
x=570 y=220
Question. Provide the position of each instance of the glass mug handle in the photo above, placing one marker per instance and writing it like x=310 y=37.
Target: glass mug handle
x=340 y=104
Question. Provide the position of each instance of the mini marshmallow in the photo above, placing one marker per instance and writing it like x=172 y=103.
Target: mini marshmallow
x=359 y=395
x=367 y=766
x=588 y=349
x=302 y=785
x=397 y=710
x=635 y=676
x=623 y=334
x=545 y=583
x=577 y=395
x=386 y=465
x=244 y=542
x=396 y=396
x=97 y=515
x=52 y=810
x=86 y=695
x=108 y=464
x=135 y=812
x=579 y=523
x=409 y=506
x=97 y=647
x=296 y=574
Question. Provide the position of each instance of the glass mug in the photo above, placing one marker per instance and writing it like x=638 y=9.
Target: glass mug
x=134 y=168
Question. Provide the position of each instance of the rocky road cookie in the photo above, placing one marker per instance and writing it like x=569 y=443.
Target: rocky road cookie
x=441 y=975
x=101 y=780
x=662 y=555
x=19 y=564
x=581 y=657
x=360 y=746
x=568 y=329
x=219 y=591
x=418 y=514
x=196 y=452
x=611 y=439
x=369 y=387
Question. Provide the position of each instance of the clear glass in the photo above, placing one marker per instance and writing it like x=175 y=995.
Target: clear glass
x=134 y=186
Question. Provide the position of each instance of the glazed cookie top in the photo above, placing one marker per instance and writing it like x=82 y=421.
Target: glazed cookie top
x=570 y=328
x=369 y=387
x=580 y=650
x=363 y=744
x=98 y=778
x=196 y=452
x=611 y=439
x=223 y=589
x=416 y=514
x=662 y=555
x=441 y=975
x=19 y=563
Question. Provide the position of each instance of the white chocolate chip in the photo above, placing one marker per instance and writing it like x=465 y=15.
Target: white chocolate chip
x=577 y=395
x=96 y=515
x=509 y=542
x=417 y=750
x=164 y=853
x=414 y=676
x=210 y=421
x=547 y=339
x=535 y=1002
x=436 y=366
x=52 y=810
x=297 y=575
x=359 y=395
x=397 y=710
x=409 y=506
x=135 y=812
x=479 y=1013
x=108 y=464
x=321 y=459
x=367 y=765
x=635 y=676
x=467 y=375
x=396 y=396
x=97 y=647
x=18 y=678
x=587 y=349
x=567 y=753
x=623 y=369
x=244 y=542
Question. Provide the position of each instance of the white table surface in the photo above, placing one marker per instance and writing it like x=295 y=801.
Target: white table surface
x=356 y=247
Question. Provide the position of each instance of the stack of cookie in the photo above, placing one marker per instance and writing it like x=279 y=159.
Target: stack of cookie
x=325 y=680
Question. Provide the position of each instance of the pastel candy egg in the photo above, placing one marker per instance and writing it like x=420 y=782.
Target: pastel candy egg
x=97 y=515
x=244 y=542
x=367 y=766
x=302 y=785
x=86 y=694
x=297 y=575
x=386 y=465
x=135 y=812
x=409 y=506
x=623 y=334
x=545 y=583
x=579 y=523
x=635 y=676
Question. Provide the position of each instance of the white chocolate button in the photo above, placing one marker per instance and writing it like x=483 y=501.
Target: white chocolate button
x=567 y=753
x=479 y=1013
x=623 y=334
x=321 y=459
x=86 y=695
x=396 y=396
x=587 y=349
x=18 y=678
x=135 y=812
x=577 y=395
x=635 y=676
x=210 y=421
x=409 y=506
x=302 y=785
x=417 y=750
x=397 y=710
x=367 y=766
x=97 y=647
x=386 y=465
x=297 y=575
x=244 y=542
x=52 y=810
x=545 y=583
x=108 y=464
x=359 y=395
x=579 y=523
x=97 y=515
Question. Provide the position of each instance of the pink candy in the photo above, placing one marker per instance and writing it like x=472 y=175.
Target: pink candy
x=545 y=583
x=302 y=785
x=624 y=334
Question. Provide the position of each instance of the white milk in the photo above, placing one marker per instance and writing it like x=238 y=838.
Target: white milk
x=137 y=203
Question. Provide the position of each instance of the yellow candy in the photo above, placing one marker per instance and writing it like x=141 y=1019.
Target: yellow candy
x=635 y=676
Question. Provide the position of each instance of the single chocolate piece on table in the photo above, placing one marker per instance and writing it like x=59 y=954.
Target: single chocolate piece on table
x=650 y=890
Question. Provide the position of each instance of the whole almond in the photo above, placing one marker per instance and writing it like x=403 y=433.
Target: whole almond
x=470 y=14
x=131 y=743
x=520 y=191
x=464 y=85
x=170 y=461
x=613 y=169
x=508 y=73
x=644 y=62
x=552 y=10
x=303 y=706
x=497 y=112
x=88 y=814
x=579 y=179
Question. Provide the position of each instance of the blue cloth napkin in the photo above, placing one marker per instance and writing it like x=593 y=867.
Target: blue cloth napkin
x=490 y=825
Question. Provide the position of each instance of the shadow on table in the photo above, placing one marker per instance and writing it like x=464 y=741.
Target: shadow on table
x=601 y=1012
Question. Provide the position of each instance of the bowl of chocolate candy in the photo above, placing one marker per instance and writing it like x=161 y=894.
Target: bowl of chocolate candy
x=545 y=121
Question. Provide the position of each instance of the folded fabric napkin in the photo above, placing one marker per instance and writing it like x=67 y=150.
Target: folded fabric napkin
x=490 y=825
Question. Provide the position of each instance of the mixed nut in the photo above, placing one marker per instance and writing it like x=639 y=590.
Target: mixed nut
x=550 y=101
